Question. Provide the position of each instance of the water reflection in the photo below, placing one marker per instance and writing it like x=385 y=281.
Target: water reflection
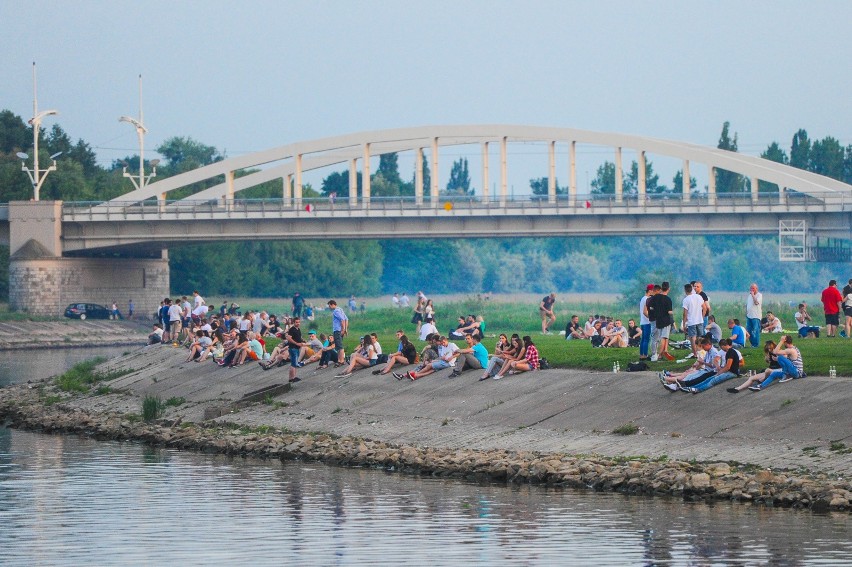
x=19 y=365
x=69 y=500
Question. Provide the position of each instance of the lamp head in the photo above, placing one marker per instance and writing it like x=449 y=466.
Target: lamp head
x=136 y=123
x=154 y=162
x=22 y=155
x=38 y=117
x=56 y=155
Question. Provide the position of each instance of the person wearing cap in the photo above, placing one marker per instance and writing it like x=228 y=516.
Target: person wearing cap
x=314 y=347
x=645 y=323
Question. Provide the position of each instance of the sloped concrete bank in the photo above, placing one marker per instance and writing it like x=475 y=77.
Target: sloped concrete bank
x=521 y=429
x=16 y=335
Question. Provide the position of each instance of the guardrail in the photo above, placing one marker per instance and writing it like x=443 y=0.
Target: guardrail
x=584 y=203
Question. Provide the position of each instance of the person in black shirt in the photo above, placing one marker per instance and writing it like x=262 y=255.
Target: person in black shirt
x=660 y=306
x=545 y=308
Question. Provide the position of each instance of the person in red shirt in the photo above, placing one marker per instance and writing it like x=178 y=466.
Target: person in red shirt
x=831 y=300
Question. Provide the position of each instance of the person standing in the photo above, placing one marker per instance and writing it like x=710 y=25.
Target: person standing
x=339 y=329
x=693 y=316
x=295 y=343
x=754 y=313
x=645 y=323
x=831 y=302
x=545 y=308
x=298 y=303
x=847 y=310
x=130 y=309
x=662 y=306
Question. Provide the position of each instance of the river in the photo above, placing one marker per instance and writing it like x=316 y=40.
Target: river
x=70 y=500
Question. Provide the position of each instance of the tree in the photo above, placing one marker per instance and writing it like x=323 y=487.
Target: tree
x=776 y=154
x=827 y=157
x=185 y=154
x=540 y=186
x=459 y=183
x=652 y=180
x=389 y=169
x=728 y=181
x=604 y=181
x=677 y=182
x=800 y=150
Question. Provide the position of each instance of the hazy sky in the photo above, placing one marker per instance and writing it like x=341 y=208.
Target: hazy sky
x=247 y=76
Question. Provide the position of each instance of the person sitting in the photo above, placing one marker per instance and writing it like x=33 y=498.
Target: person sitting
x=616 y=336
x=280 y=356
x=634 y=333
x=196 y=348
x=472 y=326
x=772 y=364
x=738 y=334
x=405 y=354
x=573 y=330
x=446 y=359
x=503 y=345
x=365 y=357
x=156 y=336
x=790 y=361
x=773 y=324
x=597 y=337
x=430 y=352
x=475 y=356
x=803 y=319
x=589 y=330
x=730 y=369
x=529 y=363
x=704 y=367
x=712 y=330
x=427 y=328
x=458 y=332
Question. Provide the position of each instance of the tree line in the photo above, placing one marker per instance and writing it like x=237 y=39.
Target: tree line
x=368 y=267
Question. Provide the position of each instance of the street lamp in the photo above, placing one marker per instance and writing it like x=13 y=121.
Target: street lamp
x=140 y=132
x=37 y=175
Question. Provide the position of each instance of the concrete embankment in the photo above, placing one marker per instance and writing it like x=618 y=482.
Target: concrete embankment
x=71 y=333
x=784 y=446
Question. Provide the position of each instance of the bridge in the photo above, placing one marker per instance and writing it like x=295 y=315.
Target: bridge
x=121 y=244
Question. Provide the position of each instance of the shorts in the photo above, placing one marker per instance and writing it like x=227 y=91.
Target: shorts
x=847 y=311
x=440 y=364
x=416 y=318
x=294 y=356
x=338 y=340
x=832 y=319
x=695 y=330
x=664 y=332
x=309 y=352
x=374 y=361
x=544 y=314
x=252 y=355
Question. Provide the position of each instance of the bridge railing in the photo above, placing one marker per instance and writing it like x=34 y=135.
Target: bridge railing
x=512 y=204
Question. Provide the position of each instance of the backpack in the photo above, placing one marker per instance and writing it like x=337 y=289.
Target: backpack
x=544 y=364
x=637 y=366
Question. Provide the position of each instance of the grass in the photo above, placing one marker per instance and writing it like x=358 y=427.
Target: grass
x=82 y=376
x=152 y=408
x=626 y=429
x=523 y=318
x=787 y=402
x=839 y=447
x=174 y=402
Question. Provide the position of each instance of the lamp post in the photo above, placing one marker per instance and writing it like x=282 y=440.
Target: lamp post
x=37 y=175
x=140 y=132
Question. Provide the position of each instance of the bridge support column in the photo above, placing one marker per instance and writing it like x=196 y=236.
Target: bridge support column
x=619 y=177
x=485 y=172
x=641 y=186
x=711 y=185
x=685 y=183
x=551 y=177
x=572 y=173
x=353 y=183
x=288 y=183
x=365 y=178
x=228 y=199
x=297 y=189
x=755 y=188
x=42 y=282
x=418 y=176
x=503 y=177
x=433 y=189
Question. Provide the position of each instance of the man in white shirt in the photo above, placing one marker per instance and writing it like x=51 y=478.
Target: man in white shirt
x=693 y=316
x=427 y=328
x=447 y=359
x=197 y=299
x=754 y=313
x=174 y=322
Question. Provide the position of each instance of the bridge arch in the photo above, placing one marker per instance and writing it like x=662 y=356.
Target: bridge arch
x=290 y=161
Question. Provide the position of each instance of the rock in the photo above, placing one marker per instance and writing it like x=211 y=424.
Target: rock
x=718 y=469
x=700 y=480
x=764 y=476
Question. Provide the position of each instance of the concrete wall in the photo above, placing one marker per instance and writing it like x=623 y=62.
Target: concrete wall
x=45 y=286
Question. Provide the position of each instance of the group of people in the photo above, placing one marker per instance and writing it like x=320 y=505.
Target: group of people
x=604 y=331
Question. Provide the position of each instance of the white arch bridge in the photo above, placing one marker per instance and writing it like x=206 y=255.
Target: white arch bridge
x=805 y=206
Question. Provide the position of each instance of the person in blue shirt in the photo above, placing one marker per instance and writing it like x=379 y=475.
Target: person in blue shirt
x=474 y=356
x=738 y=334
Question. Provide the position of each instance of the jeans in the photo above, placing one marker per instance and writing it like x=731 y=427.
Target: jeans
x=646 y=339
x=494 y=365
x=713 y=380
x=787 y=368
x=753 y=329
x=803 y=332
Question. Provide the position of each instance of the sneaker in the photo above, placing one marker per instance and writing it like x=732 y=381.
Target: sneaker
x=754 y=388
x=671 y=387
x=733 y=391
x=681 y=387
x=455 y=374
x=496 y=377
x=655 y=357
x=690 y=355
x=398 y=376
x=377 y=372
x=296 y=379
x=486 y=377
x=691 y=390
x=344 y=375
x=668 y=356
x=785 y=378
x=662 y=378
x=410 y=374
x=842 y=334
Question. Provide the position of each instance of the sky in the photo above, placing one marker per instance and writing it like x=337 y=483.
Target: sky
x=248 y=76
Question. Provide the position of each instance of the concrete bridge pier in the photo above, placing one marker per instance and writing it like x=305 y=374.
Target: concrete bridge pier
x=43 y=282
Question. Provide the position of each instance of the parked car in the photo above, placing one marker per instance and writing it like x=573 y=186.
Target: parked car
x=85 y=311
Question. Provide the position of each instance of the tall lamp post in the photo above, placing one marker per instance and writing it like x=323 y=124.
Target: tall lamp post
x=140 y=132
x=37 y=175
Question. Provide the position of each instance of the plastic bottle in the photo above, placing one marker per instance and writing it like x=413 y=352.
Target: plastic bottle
x=613 y=368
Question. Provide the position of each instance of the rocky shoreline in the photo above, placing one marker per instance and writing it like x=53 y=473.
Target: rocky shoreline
x=23 y=406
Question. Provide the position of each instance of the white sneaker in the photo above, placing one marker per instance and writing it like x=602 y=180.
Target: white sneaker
x=690 y=355
x=655 y=357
